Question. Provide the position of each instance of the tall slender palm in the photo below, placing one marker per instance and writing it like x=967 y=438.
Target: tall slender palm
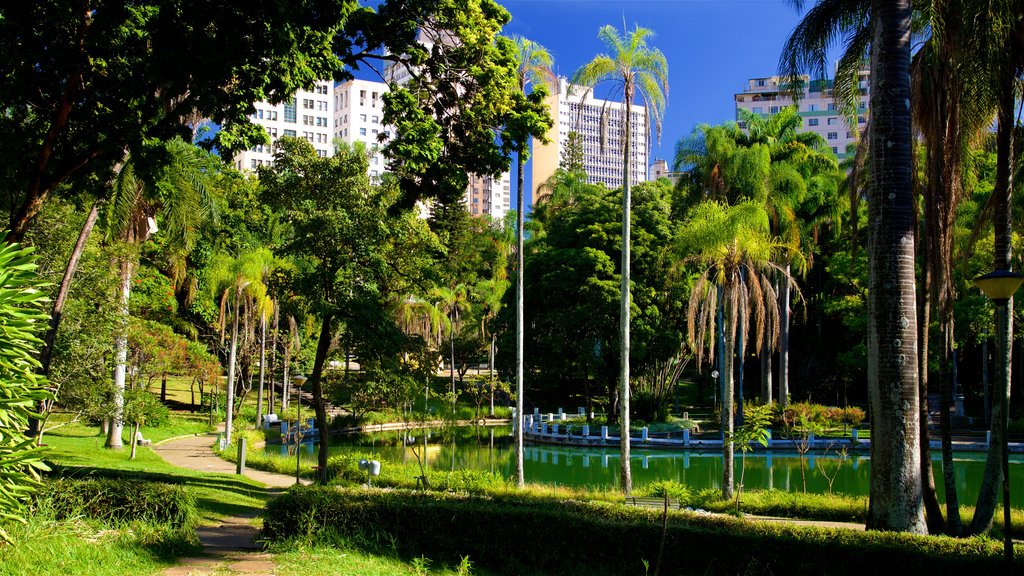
x=737 y=254
x=1001 y=44
x=234 y=280
x=533 y=66
x=165 y=182
x=641 y=71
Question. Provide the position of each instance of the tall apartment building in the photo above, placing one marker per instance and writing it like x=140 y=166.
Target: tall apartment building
x=359 y=117
x=574 y=109
x=769 y=95
x=307 y=115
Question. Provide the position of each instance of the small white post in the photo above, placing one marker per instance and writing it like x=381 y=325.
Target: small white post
x=643 y=437
x=604 y=432
x=686 y=437
x=586 y=430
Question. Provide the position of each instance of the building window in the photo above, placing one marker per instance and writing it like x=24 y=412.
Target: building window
x=760 y=82
x=758 y=110
x=833 y=135
x=259 y=114
x=375 y=119
x=831 y=106
x=835 y=150
x=861 y=120
x=362 y=131
x=812 y=107
x=290 y=133
x=362 y=117
x=289 y=111
x=774 y=109
x=362 y=97
x=862 y=105
x=812 y=121
x=832 y=121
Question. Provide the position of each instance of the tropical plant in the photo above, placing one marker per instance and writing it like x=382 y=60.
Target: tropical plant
x=21 y=388
x=533 y=66
x=755 y=425
x=164 y=184
x=639 y=71
x=236 y=281
x=737 y=256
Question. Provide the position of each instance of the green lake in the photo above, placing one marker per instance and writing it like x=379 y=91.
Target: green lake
x=490 y=448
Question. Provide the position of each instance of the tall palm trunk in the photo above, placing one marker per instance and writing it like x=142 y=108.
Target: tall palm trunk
x=263 y=365
x=766 y=371
x=230 y=407
x=126 y=266
x=273 y=357
x=784 y=297
x=728 y=427
x=323 y=346
x=992 y=480
x=933 y=512
x=627 y=475
x=895 y=491
x=520 y=352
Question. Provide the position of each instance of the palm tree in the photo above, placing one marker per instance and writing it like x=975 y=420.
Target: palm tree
x=236 y=280
x=1001 y=44
x=896 y=491
x=737 y=253
x=167 y=182
x=639 y=71
x=533 y=65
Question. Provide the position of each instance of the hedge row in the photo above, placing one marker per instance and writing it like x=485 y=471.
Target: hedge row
x=119 y=500
x=523 y=535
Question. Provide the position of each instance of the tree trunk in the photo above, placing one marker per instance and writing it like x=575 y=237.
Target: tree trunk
x=263 y=364
x=728 y=448
x=490 y=373
x=766 y=370
x=742 y=315
x=993 y=479
x=230 y=407
x=520 y=352
x=953 y=524
x=627 y=475
x=784 y=290
x=895 y=501
x=125 y=269
x=57 y=311
x=323 y=346
x=933 y=512
x=286 y=377
x=273 y=357
x=46 y=354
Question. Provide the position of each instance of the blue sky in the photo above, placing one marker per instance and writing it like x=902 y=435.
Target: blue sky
x=712 y=47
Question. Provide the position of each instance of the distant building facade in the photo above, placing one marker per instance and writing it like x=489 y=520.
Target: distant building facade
x=574 y=109
x=308 y=114
x=770 y=94
x=359 y=117
x=660 y=169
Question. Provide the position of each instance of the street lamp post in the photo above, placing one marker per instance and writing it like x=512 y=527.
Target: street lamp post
x=999 y=285
x=298 y=380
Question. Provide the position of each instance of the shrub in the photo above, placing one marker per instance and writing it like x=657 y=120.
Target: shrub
x=119 y=500
x=530 y=534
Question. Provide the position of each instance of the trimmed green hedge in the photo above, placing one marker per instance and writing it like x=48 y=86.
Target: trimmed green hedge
x=523 y=535
x=119 y=500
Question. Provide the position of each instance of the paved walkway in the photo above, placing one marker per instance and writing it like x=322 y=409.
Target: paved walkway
x=230 y=547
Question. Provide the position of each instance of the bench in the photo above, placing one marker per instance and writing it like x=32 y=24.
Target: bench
x=655 y=502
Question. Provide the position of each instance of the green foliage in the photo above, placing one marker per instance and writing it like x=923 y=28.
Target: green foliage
x=578 y=537
x=144 y=407
x=668 y=489
x=115 y=500
x=21 y=389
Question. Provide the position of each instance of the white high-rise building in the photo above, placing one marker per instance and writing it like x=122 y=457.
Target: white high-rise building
x=769 y=95
x=574 y=109
x=308 y=115
x=359 y=117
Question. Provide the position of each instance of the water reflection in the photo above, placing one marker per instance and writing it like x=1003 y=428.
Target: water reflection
x=488 y=448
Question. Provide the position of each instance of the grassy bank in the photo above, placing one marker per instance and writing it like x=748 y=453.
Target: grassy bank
x=527 y=534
